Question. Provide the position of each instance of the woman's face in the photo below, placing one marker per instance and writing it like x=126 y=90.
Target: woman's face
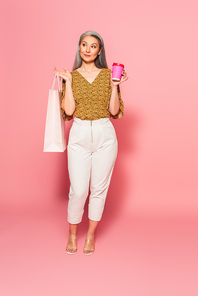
x=89 y=49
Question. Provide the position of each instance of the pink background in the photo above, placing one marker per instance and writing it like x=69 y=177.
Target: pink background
x=155 y=178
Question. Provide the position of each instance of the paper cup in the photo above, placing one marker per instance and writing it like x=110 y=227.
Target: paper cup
x=117 y=71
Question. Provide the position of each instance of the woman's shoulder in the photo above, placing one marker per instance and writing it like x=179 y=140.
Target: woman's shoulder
x=105 y=74
x=73 y=72
x=75 y=75
x=107 y=70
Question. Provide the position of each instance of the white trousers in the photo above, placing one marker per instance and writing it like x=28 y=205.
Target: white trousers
x=92 y=151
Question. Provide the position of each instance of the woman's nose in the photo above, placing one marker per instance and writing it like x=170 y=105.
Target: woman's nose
x=88 y=49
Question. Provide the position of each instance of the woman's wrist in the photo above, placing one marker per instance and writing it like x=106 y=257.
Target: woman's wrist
x=68 y=82
x=113 y=86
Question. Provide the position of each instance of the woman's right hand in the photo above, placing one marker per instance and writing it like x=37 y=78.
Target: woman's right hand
x=65 y=75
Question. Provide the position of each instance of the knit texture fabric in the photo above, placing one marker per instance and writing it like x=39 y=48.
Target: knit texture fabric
x=92 y=99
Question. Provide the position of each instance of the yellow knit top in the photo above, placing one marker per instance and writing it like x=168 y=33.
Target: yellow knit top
x=92 y=99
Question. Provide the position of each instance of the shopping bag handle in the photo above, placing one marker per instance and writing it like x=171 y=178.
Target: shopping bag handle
x=59 y=84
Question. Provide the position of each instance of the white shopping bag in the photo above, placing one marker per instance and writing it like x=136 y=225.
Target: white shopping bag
x=54 y=140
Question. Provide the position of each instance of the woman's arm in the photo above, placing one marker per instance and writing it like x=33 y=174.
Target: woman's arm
x=68 y=102
x=114 y=104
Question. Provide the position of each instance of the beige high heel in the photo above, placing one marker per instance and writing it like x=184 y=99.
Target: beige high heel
x=71 y=241
x=87 y=247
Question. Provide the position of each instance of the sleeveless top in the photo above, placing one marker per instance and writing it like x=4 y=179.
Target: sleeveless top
x=91 y=99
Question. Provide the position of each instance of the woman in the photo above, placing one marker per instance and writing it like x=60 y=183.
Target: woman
x=92 y=96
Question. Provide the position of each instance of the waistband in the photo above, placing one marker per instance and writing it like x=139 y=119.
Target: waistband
x=92 y=122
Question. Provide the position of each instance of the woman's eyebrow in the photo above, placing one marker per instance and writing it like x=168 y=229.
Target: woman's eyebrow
x=91 y=43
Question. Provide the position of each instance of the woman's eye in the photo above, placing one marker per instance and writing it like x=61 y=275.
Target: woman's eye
x=93 y=46
x=83 y=44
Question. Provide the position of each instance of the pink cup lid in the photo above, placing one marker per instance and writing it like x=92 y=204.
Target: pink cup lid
x=118 y=64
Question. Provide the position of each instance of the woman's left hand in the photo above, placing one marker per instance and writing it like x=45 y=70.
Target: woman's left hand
x=124 y=78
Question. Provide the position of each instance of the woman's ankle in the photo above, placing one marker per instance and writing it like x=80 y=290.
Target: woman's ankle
x=72 y=235
x=90 y=235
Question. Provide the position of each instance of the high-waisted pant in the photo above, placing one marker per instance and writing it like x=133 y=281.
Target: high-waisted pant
x=92 y=151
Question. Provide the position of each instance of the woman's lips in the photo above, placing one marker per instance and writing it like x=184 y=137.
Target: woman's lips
x=86 y=55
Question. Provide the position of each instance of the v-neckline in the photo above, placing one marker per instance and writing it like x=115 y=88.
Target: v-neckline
x=94 y=78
